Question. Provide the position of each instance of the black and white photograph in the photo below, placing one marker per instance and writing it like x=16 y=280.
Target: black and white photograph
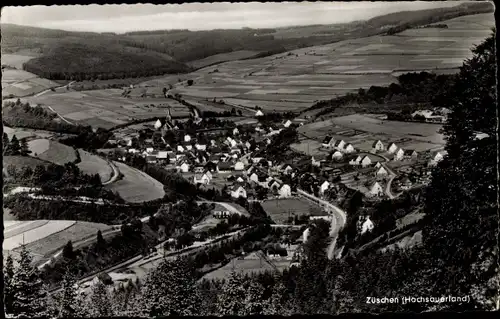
x=254 y=158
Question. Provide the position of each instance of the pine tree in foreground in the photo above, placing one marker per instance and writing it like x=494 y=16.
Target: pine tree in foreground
x=68 y=303
x=29 y=293
x=8 y=291
x=230 y=301
x=275 y=305
x=100 y=302
x=254 y=304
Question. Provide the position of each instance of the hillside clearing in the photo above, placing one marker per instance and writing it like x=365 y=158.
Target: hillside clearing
x=92 y=164
x=52 y=151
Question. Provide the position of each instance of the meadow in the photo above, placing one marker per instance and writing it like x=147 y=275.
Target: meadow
x=280 y=209
x=106 y=108
x=93 y=164
x=34 y=233
x=136 y=186
x=52 y=151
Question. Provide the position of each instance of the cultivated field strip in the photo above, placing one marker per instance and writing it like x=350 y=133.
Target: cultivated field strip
x=38 y=233
x=136 y=186
x=24 y=227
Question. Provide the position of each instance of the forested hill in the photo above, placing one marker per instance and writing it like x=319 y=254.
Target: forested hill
x=64 y=55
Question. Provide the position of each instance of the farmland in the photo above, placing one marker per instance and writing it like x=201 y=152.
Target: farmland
x=23 y=161
x=93 y=164
x=281 y=209
x=294 y=80
x=222 y=57
x=21 y=133
x=136 y=186
x=52 y=151
x=107 y=108
x=362 y=130
x=34 y=233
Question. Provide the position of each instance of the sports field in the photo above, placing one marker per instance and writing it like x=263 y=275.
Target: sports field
x=280 y=209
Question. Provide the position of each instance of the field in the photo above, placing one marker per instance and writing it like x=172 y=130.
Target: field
x=52 y=151
x=16 y=82
x=23 y=161
x=295 y=80
x=222 y=57
x=33 y=233
x=107 y=108
x=362 y=130
x=280 y=209
x=136 y=186
x=21 y=133
x=93 y=164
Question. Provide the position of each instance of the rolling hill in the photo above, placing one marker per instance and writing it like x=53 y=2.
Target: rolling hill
x=64 y=55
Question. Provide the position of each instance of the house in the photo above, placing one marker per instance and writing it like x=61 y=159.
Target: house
x=187 y=138
x=324 y=186
x=151 y=159
x=438 y=156
x=199 y=169
x=287 y=169
x=378 y=146
x=158 y=124
x=240 y=179
x=377 y=165
x=219 y=214
x=392 y=148
x=273 y=184
x=200 y=147
x=211 y=166
x=339 y=144
x=238 y=191
x=425 y=113
x=254 y=177
x=188 y=147
x=225 y=167
x=248 y=145
x=149 y=150
x=256 y=160
x=381 y=172
x=366 y=161
x=337 y=155
x=410 y=154
x=239 y=166
x=356 y=161
x=367 y=226
x=349 y=148
x=162 y=155
x=236 y=131
x=202 y=178
x=287 y=123
x=406 y=183
x=259 y=113
x=285 y=191
x=180 y=148
x=376 y=189
x=315 y=162
x=184 y=167
x=399 y=155
x=328 y=142
x=133 y=151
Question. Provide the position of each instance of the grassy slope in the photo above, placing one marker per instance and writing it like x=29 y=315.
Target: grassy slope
x=62 y=51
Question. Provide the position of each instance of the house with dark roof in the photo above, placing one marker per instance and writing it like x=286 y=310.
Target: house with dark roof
x=328 y=141
x=410 y=154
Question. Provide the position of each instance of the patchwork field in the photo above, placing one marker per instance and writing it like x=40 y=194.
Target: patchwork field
x=280 y=209
x=34 y=232
x=93 y=164
x=293 y=81
x=362 y=130
x=223 y=57
x=23 y=161
x=52 y=151
x=107 y=108
x=15 y=60
x=136 y=186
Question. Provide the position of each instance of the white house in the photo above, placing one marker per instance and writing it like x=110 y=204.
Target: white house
x=324 y=186
x=376 y=189
x=287 y=123
x=133 y=151
x=328 y=141
x=399 y=155
x=187 y=138
x=240 y=179
x=236 y=131
x=349 y=148
x=366 y=161
x=149 y=150
x=201 y=179
x=238 y=191
x=239 y=166
x=339 y=144
x=337 y=155
x=367 y=225
x=287 y=169
x=189 y=147
x=285 y=191
x=392 y=148
x=378 y=165
x=378 y=146
x=259 y=113
x=315 y=162
x=200 y=147
x=248 y=145
x=381 y=171
x=425 y=113
x=410 y=154
x=180 y=149
x=436 y=158
x=162 y=155
x=158 y=124
x=254 y=177
x=184 y=167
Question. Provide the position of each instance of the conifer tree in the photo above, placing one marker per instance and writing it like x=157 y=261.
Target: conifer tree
x=100 y=301
x=14 y=146
x=230 y=301
x=68 y=303
x=171 y=289
x=254 y=304
x=29 y=293
x=8 y=277
x=5 y=143
x=276 y=304
x=24 y=148
x=68 y=250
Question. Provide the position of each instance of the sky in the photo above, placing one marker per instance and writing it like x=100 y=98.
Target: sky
x=203 y=16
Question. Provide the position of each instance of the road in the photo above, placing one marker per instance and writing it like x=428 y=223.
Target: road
x=116 y=173
x=54 y=88
x=388 y=191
